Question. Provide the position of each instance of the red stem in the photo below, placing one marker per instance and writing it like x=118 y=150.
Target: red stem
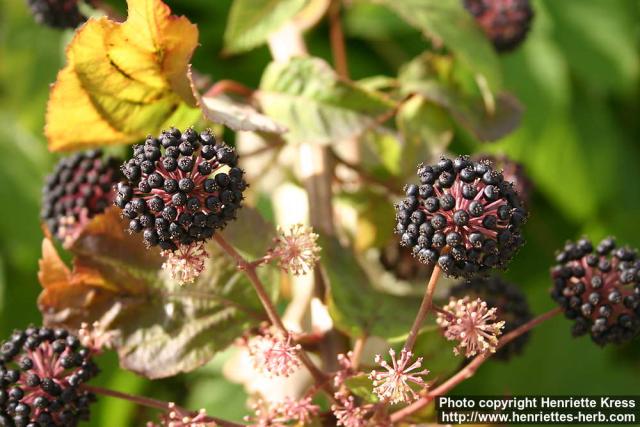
x=154 y=403
x=424 y=308
x=232 y=86
x=250 y=270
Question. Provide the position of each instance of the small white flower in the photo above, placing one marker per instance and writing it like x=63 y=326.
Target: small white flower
x=393 y=385
x=274 y=355
x=473 y=324
x=186 y=263
x=296 y=249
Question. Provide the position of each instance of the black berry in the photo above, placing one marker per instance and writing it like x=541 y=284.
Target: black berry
x=599 y=288
x=505 y=22
x=80 y=187
x=170 y=181
x=468 y=219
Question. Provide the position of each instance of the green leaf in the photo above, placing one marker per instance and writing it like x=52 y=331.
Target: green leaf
x=252 y=21
x=355 y=306
x=160 y=327
x=433 y=78
x=436 y=351
x=317 y=106
x=362 y=386
x=427 y=131
x=594 y=35
x=448 y=21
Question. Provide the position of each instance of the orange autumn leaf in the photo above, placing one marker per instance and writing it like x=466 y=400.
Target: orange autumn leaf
x=123 y=81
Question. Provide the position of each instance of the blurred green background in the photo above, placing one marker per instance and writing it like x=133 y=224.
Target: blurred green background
x=578 y=75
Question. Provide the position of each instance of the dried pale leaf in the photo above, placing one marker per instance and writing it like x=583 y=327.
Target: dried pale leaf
x=236 y=115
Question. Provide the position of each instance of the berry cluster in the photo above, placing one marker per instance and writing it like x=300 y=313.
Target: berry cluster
x=505 y=22
x=57 y=13
x=513 y=172
x=399 y=260
x=180 y=187
x=463 y=215
x=41 y=371
x=510 y=304
x=80 y=187
x=600 y=289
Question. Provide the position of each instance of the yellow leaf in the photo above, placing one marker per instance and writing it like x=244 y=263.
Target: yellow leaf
x=123 y=81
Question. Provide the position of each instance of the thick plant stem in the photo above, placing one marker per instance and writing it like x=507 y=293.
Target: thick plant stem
x=336 y=35
x=424 y=308
x=469 y=370
x=155 y=404
x=249 y=269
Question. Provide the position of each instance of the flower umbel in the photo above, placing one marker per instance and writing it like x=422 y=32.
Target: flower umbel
x=273 y=354
x=176 y=417
x=186 y=263
x=95 y=338
x=393 y=385
x=510 y=304
x=282 y=413
x=296 y=249
x=472 y=323
x=347 y=412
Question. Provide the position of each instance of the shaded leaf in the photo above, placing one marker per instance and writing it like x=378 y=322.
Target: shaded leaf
x=252 y=21
x=161 y=328
x=433 y=78
x=362 y=386
x=123 y=81
x=317 y=106
x=355 y=306
x=449 y=22
x=427 y=131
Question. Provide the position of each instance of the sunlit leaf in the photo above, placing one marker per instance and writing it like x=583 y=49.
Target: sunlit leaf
x=427 y=131
x=317 y=106
x=161 y=328
x=251 y=21
x=123 y=81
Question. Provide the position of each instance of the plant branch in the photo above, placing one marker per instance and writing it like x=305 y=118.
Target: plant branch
x=390 y=185
x=425 y=306
x=358 y=346
x=154 y=403
x=336 y=35
x=469 y=370
x=229 y=86
x=250 y=270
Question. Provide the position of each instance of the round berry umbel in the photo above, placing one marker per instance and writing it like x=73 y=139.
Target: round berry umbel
x=180 y=188
x=600 y=289
x=510 y=304
x=463 y=215
x=41 y=371
x=80 y=187
x=57 y=13
x=400 y=261
x=505 y=22
x=512 y=171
